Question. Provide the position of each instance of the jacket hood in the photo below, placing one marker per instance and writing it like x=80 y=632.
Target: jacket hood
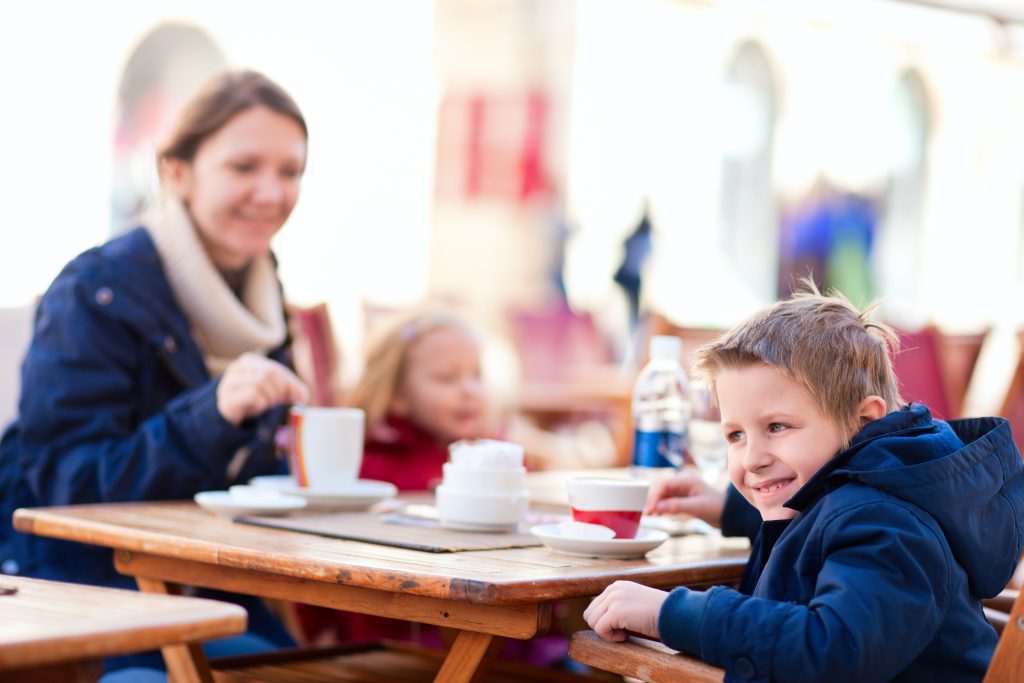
x=967 y=474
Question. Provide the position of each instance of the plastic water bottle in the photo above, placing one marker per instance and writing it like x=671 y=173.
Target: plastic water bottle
x=661 y=411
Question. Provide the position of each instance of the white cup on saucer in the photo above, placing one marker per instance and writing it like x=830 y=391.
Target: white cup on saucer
x=326 y=448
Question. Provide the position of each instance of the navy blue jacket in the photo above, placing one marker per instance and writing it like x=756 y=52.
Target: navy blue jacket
x=116 y=405
x=880 y=575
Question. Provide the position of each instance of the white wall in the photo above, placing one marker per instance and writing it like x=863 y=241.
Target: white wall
x=644 y=122
x=361 y=71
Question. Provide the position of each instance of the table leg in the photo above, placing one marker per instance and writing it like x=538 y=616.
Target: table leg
x=186 y=663
x=468 y=652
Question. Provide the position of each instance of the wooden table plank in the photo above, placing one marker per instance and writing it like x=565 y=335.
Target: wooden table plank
x=48 y=622
x=183 y=530
x=522 y=620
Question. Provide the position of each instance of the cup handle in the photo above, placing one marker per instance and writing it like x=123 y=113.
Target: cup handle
x=283 y=441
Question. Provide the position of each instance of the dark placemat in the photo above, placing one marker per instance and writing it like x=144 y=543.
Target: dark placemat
x=394 y=529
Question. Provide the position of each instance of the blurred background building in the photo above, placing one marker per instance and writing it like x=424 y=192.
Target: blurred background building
x=498 y=153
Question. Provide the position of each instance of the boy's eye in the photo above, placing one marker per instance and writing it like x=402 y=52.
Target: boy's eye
x=777 y=427
x=243 y=167
x=733 y=437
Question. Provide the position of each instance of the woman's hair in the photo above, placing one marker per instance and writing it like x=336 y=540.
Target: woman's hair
x=823 y=343
x=218 y=102
x=388 y=358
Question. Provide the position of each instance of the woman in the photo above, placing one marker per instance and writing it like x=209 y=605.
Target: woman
x=159 y=364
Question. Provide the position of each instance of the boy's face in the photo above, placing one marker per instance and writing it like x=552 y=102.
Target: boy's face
x=778 y=438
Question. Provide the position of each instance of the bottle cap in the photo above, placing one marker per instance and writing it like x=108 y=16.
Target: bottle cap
x=666 y=348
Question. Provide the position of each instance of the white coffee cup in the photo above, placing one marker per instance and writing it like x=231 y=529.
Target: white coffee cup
x=615 y=503
x=326 y=446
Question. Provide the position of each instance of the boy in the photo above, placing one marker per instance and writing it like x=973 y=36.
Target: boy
x=883 y=527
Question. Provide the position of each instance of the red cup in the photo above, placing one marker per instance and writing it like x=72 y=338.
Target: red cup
x=615 y=503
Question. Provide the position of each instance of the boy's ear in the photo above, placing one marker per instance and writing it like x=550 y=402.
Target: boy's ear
x=871 y=408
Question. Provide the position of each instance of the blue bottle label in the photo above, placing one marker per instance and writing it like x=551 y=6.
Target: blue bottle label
x=658 y=449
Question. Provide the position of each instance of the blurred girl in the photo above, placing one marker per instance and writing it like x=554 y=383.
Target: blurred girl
x=421 y=391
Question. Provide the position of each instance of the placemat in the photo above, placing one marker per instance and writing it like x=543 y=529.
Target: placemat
x=394 y=529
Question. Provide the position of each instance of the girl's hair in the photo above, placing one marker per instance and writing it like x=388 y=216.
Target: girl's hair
x=387 y=360
x=218 y=102
x=823 y=343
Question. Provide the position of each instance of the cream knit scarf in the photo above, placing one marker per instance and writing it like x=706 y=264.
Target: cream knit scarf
x=224 y=327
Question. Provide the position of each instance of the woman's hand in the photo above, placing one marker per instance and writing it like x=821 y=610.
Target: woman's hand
x=252 y=384
x=686 y=493
x=623 y=608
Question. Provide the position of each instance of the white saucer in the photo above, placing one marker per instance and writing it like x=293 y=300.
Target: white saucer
x=646 y=540
x=359 y=495
x=223 y=503
x=274 y=481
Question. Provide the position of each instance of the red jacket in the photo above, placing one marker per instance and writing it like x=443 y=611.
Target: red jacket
x=404 y=454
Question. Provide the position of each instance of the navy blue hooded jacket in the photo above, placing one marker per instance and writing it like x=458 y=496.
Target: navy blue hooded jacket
x=116 y=405
x=880 y=575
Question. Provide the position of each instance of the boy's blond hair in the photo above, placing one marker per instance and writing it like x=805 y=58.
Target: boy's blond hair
x=823 y=343
x=387 y=359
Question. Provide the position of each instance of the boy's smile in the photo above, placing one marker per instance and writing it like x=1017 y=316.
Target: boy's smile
x=778 y=438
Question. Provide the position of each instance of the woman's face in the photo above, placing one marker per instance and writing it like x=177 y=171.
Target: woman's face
x=441 y=390
x=242 y=184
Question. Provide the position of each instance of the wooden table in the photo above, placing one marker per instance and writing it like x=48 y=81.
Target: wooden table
x=51 y=630
x=484 y=595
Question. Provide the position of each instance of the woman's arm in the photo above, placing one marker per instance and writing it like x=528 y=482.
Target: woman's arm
x=84 y=435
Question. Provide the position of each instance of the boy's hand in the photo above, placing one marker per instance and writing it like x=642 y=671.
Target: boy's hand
x=686 y=493
x=623 y=608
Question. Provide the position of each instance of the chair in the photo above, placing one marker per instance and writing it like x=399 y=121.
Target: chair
x=556 y=342
x=1008 y=660
x=958 y=354
x=15 y=333
x=997 y=609
x=316 y=354
x=1013 y=404
x=653 y=662
x=919 y=369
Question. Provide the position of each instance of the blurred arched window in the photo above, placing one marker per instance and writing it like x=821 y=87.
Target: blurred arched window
x=748 y=209
x=168 y=66
x=899 y=243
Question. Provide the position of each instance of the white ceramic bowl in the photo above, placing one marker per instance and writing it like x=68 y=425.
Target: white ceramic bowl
x=503 y=482
x=484 y=511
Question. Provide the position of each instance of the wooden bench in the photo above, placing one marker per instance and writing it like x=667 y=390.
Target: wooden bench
x=51 y=630
x=380 y=662
x=653 y=662
x=641 y=658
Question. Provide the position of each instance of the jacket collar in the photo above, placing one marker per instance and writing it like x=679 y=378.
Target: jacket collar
x=903 y=422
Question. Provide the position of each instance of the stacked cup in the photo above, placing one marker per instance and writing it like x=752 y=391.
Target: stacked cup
x=483 y=487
